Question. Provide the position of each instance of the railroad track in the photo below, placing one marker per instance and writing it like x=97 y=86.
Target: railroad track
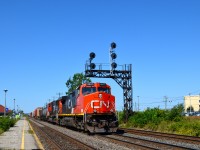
x=53 y=139
x=166 y=136
x=140 y=143
x=127 y=140
x=128 y=144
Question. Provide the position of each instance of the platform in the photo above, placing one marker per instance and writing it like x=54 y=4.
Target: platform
x=21 y=136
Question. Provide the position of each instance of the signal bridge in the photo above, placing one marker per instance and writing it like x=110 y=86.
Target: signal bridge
x=123 y=76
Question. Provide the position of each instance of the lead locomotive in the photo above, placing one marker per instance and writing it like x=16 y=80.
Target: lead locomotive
x=91 y=107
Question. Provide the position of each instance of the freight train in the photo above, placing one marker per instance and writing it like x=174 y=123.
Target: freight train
x=91 y=107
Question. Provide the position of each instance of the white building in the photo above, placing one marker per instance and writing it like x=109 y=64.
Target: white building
x=193 y=101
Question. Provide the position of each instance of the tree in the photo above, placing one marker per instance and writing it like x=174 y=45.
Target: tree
x=176 y=112
x=76 y=81
x=192 y=109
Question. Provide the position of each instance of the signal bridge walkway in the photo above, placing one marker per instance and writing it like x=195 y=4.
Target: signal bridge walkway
x=21 y=136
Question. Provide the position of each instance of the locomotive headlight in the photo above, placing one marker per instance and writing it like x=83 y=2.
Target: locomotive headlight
x=111 y=110
x=100 y=96
x=95 y=111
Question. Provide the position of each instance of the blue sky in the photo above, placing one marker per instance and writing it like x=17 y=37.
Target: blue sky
x=44 y=42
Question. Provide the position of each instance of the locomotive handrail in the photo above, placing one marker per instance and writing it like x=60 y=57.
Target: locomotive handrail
x=86 y=108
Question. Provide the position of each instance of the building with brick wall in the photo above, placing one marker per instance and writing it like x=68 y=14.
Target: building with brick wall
x=1 y=110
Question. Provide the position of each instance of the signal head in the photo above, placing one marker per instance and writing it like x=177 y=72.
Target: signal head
x=92 y=55
x=114 y=65
x=113 y=45
x=92 y=66
x=113 y=56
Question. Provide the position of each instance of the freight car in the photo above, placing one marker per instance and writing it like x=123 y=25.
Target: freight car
x=91 y=107
x=37 y=112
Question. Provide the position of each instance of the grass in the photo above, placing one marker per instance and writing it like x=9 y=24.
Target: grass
x=30 y=131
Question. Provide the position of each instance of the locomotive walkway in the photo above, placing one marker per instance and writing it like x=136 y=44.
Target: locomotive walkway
x=21 y=136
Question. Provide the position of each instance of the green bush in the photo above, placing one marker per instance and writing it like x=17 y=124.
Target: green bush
x=153 y=117
x=1 y=131
x=6 y=123
x=121 y=117
x=12 y=122
x=175 y=114
x=170 y=121
x=149 y=118
x=138 y=120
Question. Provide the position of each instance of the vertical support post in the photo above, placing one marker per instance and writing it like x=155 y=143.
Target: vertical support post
x=138 y=104
x=14 y=105
x=5 y=103
x=165 y=97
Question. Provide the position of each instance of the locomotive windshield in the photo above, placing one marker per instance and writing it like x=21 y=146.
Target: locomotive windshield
x=88 y=90
x=104 y=89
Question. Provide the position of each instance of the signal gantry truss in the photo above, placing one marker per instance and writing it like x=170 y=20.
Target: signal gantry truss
x=123 y=77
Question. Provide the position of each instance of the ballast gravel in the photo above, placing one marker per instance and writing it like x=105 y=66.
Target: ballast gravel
x=100 y=144
x=189 y=146
x=89 y=140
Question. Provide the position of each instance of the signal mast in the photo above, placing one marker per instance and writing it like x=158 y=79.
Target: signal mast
x=123 y=76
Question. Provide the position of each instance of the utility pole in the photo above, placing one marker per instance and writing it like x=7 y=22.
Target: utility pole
x=165 y=97
x=138 y=104
x=170 y=101
x=135 y=107
x=14 y=105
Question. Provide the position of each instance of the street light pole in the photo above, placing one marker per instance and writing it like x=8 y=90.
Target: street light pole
x=138 y=104
x=14 y=106
x=5 y=103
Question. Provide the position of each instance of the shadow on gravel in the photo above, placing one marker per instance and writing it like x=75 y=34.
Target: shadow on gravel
x=119 y=131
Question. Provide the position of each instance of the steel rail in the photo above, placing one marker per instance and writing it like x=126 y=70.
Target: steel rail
x=64 y=137
x=177 y=137
x=161 y=145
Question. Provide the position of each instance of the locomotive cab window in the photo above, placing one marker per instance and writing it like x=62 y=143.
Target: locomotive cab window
x=88 y=90
x=104 y=89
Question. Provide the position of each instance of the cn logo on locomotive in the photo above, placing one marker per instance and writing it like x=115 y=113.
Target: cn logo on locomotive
x=99 y=104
